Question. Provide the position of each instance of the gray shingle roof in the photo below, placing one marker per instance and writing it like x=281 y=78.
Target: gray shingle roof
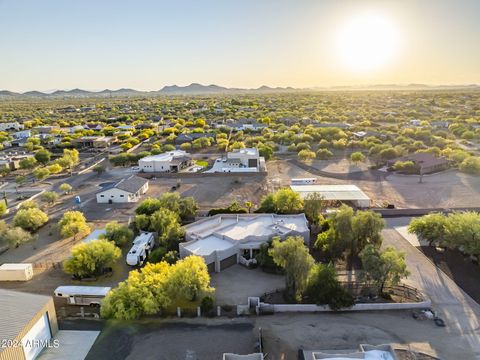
x=131 y=184
x=17 y=309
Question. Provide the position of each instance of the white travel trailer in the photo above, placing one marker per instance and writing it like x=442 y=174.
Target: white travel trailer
x=142 y=245
x=82 y=295
x=304 y=181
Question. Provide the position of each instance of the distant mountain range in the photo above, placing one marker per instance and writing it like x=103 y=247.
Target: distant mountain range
x=213 y=89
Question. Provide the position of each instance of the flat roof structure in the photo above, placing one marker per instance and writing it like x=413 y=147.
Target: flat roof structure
x=167 y=156
x=223 y=236
x=335 y=193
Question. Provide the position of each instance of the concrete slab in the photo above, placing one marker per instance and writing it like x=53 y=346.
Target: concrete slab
x=72 y=345
x=236 y=283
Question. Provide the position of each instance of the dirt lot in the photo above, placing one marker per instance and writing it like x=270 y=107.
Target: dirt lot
x=447 y=189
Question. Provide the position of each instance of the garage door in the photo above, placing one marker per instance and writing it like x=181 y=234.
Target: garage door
x=225 y=263
x=211 y=267
x=36 y=338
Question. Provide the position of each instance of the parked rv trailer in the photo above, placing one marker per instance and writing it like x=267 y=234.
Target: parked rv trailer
x=82 y=295
x=304 y=181
x=142 y=245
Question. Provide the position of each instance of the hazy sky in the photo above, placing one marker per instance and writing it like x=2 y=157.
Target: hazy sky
x=64 y=44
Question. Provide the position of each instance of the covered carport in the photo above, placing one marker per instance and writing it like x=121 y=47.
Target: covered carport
x=341 y=193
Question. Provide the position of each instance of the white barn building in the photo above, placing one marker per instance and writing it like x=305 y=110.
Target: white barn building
x=126 y=190
x=227 y=239
x=172 y=161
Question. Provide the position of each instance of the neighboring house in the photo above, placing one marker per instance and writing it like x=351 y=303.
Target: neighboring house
x=187 y=138
x=425 y=162
x=440 y=124
x=126 y=127
x=27 y=320
x=332 y=125
x=74 y=129
x=23 y=134
x=95 y=127
x=172 y=161
x=241 y=160
x=227 y=239
x=126 y=190
x=21 y=142
x=12 y=162
x=11 y=126
x=46 y=129
x=93 y=141
x=246 y=124
x=415 y=122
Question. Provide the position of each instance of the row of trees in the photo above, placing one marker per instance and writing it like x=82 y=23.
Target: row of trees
x=307 y=280
x=156 y=287
x=457 y=230
x=349 y=232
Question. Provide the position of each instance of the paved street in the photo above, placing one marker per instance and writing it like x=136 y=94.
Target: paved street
x=459 y=311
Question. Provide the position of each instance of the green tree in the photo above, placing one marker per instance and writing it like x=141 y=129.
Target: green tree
x=383 y=268
x=99 y=169
x=119 y=234
x=73 y=223
x=323 y=287
x=148 y=206
x=3 y=208
x=66 y=188
x=306 y=154
x=50 y=197
x=69 y=159
x=314 y=205
x=463 y=231
x=357 y=157
x=54 y=168
x=189 y=278
x=27 y=163
x=14 y=236
x=30 y=219
x=41 y=174
x=367 y=227
x=167 y=225
x=471 y=165
x=284 y=201
x=43 y=156
x=324 y=154
x=89 y=259
x=431 y=227
x=293 y=256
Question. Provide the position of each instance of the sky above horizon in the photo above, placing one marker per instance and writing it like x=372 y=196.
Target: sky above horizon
x=145 y=45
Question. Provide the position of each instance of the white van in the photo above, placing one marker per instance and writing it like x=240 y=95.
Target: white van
x=82 y=295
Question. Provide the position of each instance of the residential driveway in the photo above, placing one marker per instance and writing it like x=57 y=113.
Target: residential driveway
x=459 y=310
x=236 y=283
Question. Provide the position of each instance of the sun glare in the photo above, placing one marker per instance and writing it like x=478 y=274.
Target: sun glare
x=366 y=42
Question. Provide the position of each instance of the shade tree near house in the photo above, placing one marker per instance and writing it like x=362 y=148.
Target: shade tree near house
x=89 y=259
x=347 y=231
x=119 y=234
x=283 y=201
x=293 y=257
x=156 y=287
x=382 y=268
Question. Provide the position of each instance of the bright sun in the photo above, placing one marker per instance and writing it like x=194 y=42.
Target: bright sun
x=366 y=42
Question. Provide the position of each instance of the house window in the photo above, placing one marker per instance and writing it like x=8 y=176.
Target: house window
x=102 y=195
x=121 y=196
